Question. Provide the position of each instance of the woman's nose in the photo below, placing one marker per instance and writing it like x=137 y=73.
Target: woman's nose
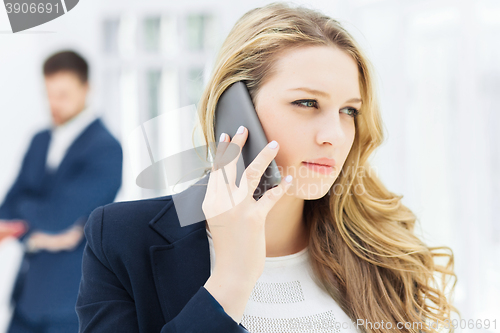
x=331 y=130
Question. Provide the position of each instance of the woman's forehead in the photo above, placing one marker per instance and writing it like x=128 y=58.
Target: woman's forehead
x=317 y=69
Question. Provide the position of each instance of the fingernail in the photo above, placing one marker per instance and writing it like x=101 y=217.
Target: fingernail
x=273 y=144
x=288 y=178
x=241 y=129
x=222 y=137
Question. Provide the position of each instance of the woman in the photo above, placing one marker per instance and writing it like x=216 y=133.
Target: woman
x=328 y=250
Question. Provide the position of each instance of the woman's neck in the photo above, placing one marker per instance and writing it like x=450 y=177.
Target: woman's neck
x=286 y=231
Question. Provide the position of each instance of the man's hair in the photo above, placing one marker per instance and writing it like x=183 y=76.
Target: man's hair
x=67 y=61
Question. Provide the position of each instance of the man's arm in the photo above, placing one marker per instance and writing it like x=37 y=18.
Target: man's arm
x=67 y=240
x=12 y=228
x=94 y=184
x=7 y=208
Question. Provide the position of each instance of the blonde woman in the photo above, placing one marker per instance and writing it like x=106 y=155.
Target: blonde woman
x=328 y=250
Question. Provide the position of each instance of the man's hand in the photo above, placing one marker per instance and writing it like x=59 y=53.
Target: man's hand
x=64 y=241
x=12 y=228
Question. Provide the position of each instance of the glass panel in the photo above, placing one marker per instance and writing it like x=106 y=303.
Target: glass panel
x=195 y=85
x=195 y=27
x=169 y=43
x=111 y=28
x=487 y=102
x=151 y=34
x=127 y=36
x=153 y=78
x=210 y=35
x=170 y=95
x=111 y=99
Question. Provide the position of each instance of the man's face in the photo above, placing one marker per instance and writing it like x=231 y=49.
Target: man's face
x=66 y=95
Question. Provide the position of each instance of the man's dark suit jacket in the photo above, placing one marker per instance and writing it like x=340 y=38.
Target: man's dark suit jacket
x=144 y=272
x=89 y=176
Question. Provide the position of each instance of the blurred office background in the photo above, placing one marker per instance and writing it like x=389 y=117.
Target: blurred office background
x=438 y=73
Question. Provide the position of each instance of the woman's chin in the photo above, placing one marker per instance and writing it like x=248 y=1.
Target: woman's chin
x=311 y=191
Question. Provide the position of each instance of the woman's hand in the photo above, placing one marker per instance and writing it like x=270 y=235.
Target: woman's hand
x=236 y=220
x=237 y=224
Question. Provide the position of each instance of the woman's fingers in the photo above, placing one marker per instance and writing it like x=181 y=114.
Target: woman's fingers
x=232 y=154
x=227 y=155
x=268 y=200
x=253 y=173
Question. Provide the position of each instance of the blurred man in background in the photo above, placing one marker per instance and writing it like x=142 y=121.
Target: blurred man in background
x=68 y=170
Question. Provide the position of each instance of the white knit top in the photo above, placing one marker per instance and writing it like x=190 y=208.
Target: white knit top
x=286 y=298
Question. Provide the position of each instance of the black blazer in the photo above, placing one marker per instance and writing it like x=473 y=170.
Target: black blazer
x=144 y=272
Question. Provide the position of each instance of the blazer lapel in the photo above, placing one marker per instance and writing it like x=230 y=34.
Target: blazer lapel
x=75 y=147
x=182 y=266
x=37 y=176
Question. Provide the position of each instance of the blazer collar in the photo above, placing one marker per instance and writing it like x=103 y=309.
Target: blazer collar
x=182 y=266
x=81 y=139
x=183 y=213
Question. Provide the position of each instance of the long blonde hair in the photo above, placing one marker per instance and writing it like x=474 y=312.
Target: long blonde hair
x=363 y=248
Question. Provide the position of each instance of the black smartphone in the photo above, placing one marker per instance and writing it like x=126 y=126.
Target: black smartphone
x=235 y=108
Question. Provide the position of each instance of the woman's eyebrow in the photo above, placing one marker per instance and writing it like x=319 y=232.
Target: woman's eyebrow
x=326 y=95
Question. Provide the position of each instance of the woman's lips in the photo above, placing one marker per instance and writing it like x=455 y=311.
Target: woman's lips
x=320 y=168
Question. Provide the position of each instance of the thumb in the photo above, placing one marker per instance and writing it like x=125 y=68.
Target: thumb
x=269 y=199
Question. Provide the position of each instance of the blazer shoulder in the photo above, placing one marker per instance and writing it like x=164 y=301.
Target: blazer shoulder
x=103 y=129
x=123 y=221
x=43 y=134
x=97 y=138
x=98 y=133
x=135 y=210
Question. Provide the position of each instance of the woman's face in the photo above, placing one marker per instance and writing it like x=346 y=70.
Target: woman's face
x=309 y=125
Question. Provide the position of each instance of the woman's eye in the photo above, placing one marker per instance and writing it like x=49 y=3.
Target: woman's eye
x=353 y=112
x=306 y=103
